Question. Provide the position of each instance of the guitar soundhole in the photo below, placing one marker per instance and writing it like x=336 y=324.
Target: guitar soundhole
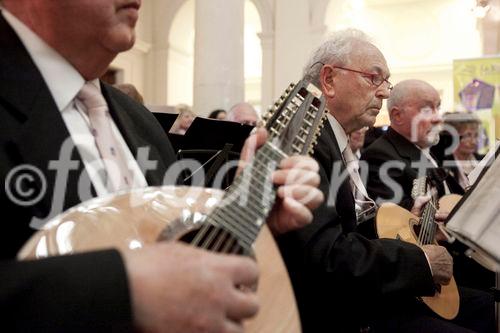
x=213 y=238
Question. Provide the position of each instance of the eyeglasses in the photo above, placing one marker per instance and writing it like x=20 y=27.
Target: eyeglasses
x=376 y=79
x=469 y=137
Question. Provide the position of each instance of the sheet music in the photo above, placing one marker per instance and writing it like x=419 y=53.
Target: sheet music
x=474 y=174
x=477 y=220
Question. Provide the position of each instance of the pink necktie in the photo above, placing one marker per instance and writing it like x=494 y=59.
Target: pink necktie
x=364 y=205
x=119 y=176
x=353 y=169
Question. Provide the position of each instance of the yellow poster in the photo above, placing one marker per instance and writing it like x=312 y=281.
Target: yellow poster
x=476 y=88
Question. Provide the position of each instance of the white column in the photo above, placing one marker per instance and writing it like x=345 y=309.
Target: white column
x=267 y=81
x=317 y=34
x=292 y=42
x=159 y=75
x=218 y=60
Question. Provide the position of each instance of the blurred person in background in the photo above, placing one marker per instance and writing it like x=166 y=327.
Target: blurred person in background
x=464 y=129
x=243 y=113
x=131 y=91
x=357 y=140
x=184 y=120
x=218 y=114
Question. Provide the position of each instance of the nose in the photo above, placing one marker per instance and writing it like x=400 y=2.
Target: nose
x=383 y=91
x=437 y=118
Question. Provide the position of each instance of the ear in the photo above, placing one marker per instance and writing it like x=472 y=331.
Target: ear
x=396 y=114
x=326 y=80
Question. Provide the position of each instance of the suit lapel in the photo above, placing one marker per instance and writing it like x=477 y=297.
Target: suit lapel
x=405 y=148
x=345 y=200
x=411 y=153
x=42 y=131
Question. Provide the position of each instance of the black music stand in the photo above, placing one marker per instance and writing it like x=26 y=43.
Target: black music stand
x=214 y=134
x=212 y=143
x=166 y=120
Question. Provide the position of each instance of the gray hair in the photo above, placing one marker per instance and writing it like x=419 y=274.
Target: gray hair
x=335 y=50
x=231 y=114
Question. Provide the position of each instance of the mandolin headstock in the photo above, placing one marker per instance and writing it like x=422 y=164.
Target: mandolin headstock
x=295 y=120
x=419 y=187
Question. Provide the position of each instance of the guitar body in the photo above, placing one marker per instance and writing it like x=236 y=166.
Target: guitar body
x=131 y=220
x=396 y=222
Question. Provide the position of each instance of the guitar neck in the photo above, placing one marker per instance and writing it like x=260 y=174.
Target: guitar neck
x=245 y=207
x=428 y=225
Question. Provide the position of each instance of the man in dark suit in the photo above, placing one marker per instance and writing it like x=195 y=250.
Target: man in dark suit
x=345 y=282
x=415 y=125
x=52 y=148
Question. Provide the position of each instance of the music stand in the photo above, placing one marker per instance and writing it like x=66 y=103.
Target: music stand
x=166 y=120
x=214 y=134
x=212 y=143
x=475 y=221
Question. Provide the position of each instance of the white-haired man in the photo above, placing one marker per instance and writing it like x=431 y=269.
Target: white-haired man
x=344 y=281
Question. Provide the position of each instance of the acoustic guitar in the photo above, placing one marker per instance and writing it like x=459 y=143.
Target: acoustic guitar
x=396 y=222
x=225 y=222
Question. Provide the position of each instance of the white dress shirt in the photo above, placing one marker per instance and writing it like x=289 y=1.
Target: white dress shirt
x=427 y=154
x=365 y=207
x=64 y=83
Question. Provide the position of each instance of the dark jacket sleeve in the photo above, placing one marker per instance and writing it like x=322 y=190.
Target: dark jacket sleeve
x=335 y=271
x=331 y=248
x=388 y=179
x=77 y=293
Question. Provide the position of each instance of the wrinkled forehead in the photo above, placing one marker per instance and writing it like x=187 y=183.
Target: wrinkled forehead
x=367 y=57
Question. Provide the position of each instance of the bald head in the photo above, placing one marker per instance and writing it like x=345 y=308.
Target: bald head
x=414 y=111
x=243 y=113
x=406 y=90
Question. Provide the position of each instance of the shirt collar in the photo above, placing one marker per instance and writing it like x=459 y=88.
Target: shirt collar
x=62 y=79
x=338 y=131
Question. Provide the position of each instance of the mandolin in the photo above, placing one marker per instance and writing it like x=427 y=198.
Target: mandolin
x=395 y=222
x=225 y=222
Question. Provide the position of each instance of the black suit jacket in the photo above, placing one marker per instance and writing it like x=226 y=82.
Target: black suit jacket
x=394 y=148
x=72 y=293
x=339 y=276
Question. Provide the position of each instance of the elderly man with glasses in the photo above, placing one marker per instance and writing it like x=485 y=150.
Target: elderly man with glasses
x=343 y=280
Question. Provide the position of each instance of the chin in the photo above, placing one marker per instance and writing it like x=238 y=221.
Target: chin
x=368 y=122
x=121 y=40
x=432 y=140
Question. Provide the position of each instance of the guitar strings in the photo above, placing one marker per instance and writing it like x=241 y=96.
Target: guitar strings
x=256 y=165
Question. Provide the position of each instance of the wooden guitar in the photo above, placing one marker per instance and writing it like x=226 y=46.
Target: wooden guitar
x=396 y=222
x=226 y=222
